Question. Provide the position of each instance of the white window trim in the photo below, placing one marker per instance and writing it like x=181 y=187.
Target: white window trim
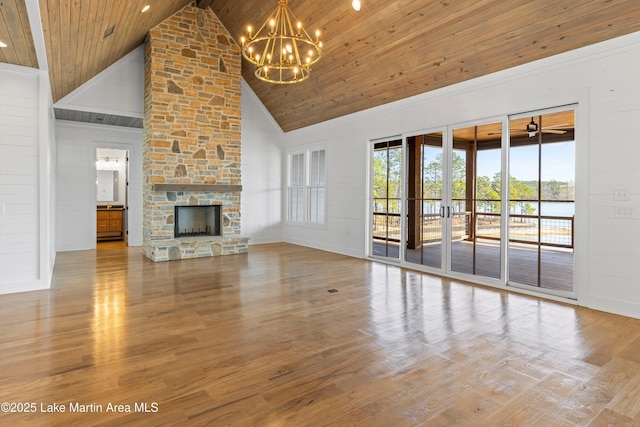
x=306 y=222
x=290 y=159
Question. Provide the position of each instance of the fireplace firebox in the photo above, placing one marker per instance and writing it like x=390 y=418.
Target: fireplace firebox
x=198 y=221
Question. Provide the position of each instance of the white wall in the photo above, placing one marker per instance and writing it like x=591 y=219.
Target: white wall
x=261 y=200
x=345 y=156
x=26 y=184
x=602 y=79
x=116 y=90
x=76 y=181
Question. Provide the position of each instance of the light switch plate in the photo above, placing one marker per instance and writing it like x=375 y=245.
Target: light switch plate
x=623 y=212
x=621 y=194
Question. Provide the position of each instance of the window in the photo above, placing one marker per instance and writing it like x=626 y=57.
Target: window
x=296 y=187
x=307 y=187
x=316 y=187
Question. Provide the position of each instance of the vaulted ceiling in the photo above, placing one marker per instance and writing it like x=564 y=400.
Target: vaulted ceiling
x=388 y=51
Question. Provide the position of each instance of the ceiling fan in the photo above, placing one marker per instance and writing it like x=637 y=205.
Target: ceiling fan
x=532 y=129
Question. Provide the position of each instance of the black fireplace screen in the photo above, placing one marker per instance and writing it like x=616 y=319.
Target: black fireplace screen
x=197 y=221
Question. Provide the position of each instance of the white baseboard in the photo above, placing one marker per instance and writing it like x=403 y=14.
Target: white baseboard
x=614 y=306
x=342 y=250
x=31 y=285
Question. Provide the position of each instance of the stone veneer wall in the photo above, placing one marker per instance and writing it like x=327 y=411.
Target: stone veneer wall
x=191 y=131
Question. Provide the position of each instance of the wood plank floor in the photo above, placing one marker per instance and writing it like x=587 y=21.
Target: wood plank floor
x=259 y=339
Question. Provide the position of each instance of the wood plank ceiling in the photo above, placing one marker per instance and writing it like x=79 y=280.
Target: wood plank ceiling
x=84 y=37
x=15 y=32
x=388 y=51
x=392 y=50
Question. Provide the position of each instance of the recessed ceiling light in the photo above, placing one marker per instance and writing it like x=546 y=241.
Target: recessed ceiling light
x=144 y=9
x=3 y=44
x=356 y=5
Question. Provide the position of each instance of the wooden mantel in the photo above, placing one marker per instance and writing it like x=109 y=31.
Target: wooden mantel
x=197 y=187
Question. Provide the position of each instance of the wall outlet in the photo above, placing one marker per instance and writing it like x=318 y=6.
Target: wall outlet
x=621 y=194
x=623 y=212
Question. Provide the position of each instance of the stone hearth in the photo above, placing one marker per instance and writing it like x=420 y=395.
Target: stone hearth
x=191 y=142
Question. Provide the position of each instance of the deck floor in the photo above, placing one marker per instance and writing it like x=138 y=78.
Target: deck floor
x=556 y=265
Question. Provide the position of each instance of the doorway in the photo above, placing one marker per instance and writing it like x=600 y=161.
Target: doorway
x=112 y=167
x=454 y=200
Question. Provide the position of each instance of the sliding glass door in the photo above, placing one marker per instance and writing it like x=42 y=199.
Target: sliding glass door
x=476 y=200
x=387 y=199
x=425 y=192
x=454 y=200
x=490 y=201
x=542 y=201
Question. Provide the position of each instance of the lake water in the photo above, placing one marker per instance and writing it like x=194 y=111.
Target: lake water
x=554 y=209
x=558 y=209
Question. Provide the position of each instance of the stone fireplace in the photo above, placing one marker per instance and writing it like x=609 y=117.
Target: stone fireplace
x=191 y=139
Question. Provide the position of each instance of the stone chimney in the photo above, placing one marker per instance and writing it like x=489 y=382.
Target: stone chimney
x=191 y=140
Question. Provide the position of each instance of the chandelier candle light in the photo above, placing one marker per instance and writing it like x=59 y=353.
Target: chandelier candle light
x=281 y=49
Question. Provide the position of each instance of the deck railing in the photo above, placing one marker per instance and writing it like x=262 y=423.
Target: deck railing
x=386 y=226
x=550 y=230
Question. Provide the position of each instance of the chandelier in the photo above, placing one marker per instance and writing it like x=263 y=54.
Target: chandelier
x=281 y=49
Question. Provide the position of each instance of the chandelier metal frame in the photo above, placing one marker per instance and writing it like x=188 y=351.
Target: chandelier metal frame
x=281 y=51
